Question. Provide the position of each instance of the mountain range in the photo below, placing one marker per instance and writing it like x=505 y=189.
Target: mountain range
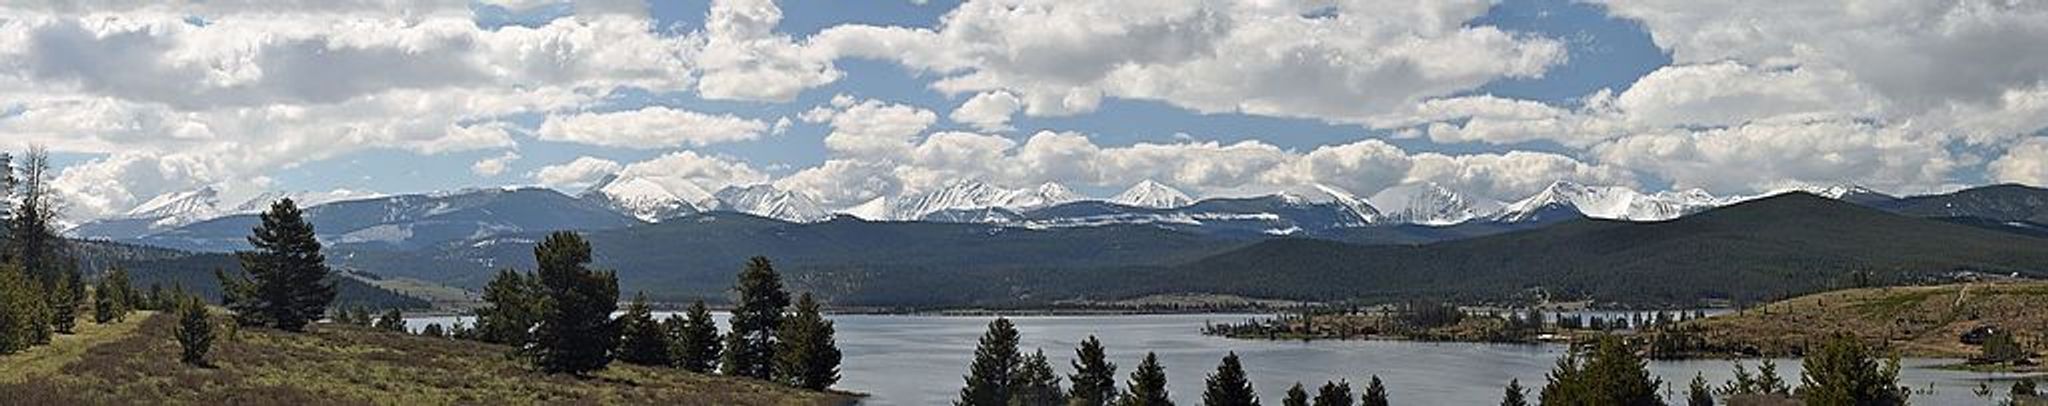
x=974 y=243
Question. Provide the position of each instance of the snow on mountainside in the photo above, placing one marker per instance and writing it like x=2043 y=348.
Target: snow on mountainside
x=646 y=199
x=874 y=210
x=261 y=202
x=970 y=196
x=771 y=202
x=1430 y=204
x=1605 y=202
x=177 y=209
x=1320 y=194
x=1152 y=195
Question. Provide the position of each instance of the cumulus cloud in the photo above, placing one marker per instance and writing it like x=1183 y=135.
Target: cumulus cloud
x=706 y=172
x=988 y=111
x=652 y=127
x=2026 y=163
x=743 y=58
x=1061 y=58
x=575 y=175
x=494 y=166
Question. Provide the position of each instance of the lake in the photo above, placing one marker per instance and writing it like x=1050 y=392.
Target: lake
x=920 y=360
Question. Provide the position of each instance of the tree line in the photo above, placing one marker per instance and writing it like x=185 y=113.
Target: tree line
x=1603 y=372
x=559 y=318
x=43 y=292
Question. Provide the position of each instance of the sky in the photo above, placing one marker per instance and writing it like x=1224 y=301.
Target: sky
x=852 y=100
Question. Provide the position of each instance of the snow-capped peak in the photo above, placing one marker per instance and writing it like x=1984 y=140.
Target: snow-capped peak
x=262 y=201
x=204 y=201
x=876 y=209
x=1153 y=195
x=959 y=195
x=772 y=202
x=1607 y=202
x=1430 y=204
x=1045 y=195
x=1317 y=193
x=647 y=199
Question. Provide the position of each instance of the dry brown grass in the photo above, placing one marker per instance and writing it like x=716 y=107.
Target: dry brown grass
x=1916 y=321
x=341 y=365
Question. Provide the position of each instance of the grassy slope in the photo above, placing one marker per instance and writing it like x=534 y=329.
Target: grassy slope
x=349 y=365
x=1920 y=321
x=66 y=348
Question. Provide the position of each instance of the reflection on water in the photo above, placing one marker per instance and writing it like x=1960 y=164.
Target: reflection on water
x=919 y=360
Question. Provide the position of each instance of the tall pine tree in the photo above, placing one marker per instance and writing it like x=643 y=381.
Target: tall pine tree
x=512 y=307
x=996 y=361
x=194 y=331
x=1094 y=376
x=1148 y=384
x=1036 y=383
x=32 y=239
x=641 y=340
x=1375 y=393
x=291 y=284
x=120 y=297
x=1515 y=395
x=1296 y=396
x=576 y=334
x=1698 y=393
x=696 y=345
x=1228 y=386
x=806 y=354
x=1334 y=394
x=65 y=301
x=22 y=310
x=750 y=347
x=1611 y=374
x=1847 y=372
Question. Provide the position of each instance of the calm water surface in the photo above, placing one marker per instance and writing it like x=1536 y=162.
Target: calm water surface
x=920 y=360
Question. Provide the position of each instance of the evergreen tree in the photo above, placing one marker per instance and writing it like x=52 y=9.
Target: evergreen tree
x=1515 y=395
x=512 y=307
x=1334 y=394
x=750 y=347
x=806 y=354
x=1228 y=386
x=1375 y=393
x=1296 y=396
x=119 y=293
x=996 y=360
x=22 y=310
x=433 y=330
x=65 y=301
x=1845 y=372
x=697 y=343
x=1611 y=374
x=194 y=331
x=1767 y=380
x=1036 y=383
x=32 y=240
x=391 y=321
x=153 y=300
x=1148 y=384
x=361 y=317
x=1698 y=394
x=104 y=306
x=641 y=340
x=1094 y=376
x=576 y=334
x=292 y=284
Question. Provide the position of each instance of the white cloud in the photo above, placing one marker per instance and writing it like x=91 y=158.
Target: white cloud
x=113 y=184
x=1061 y=58
x=652 y=127
x=470 y=137
x=870 y=127
x=743 y=58
x=988 y=111
x=576 y=175
x=494 y=166
x=706 y=172
x=1764 y=156
x=2026 y=163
